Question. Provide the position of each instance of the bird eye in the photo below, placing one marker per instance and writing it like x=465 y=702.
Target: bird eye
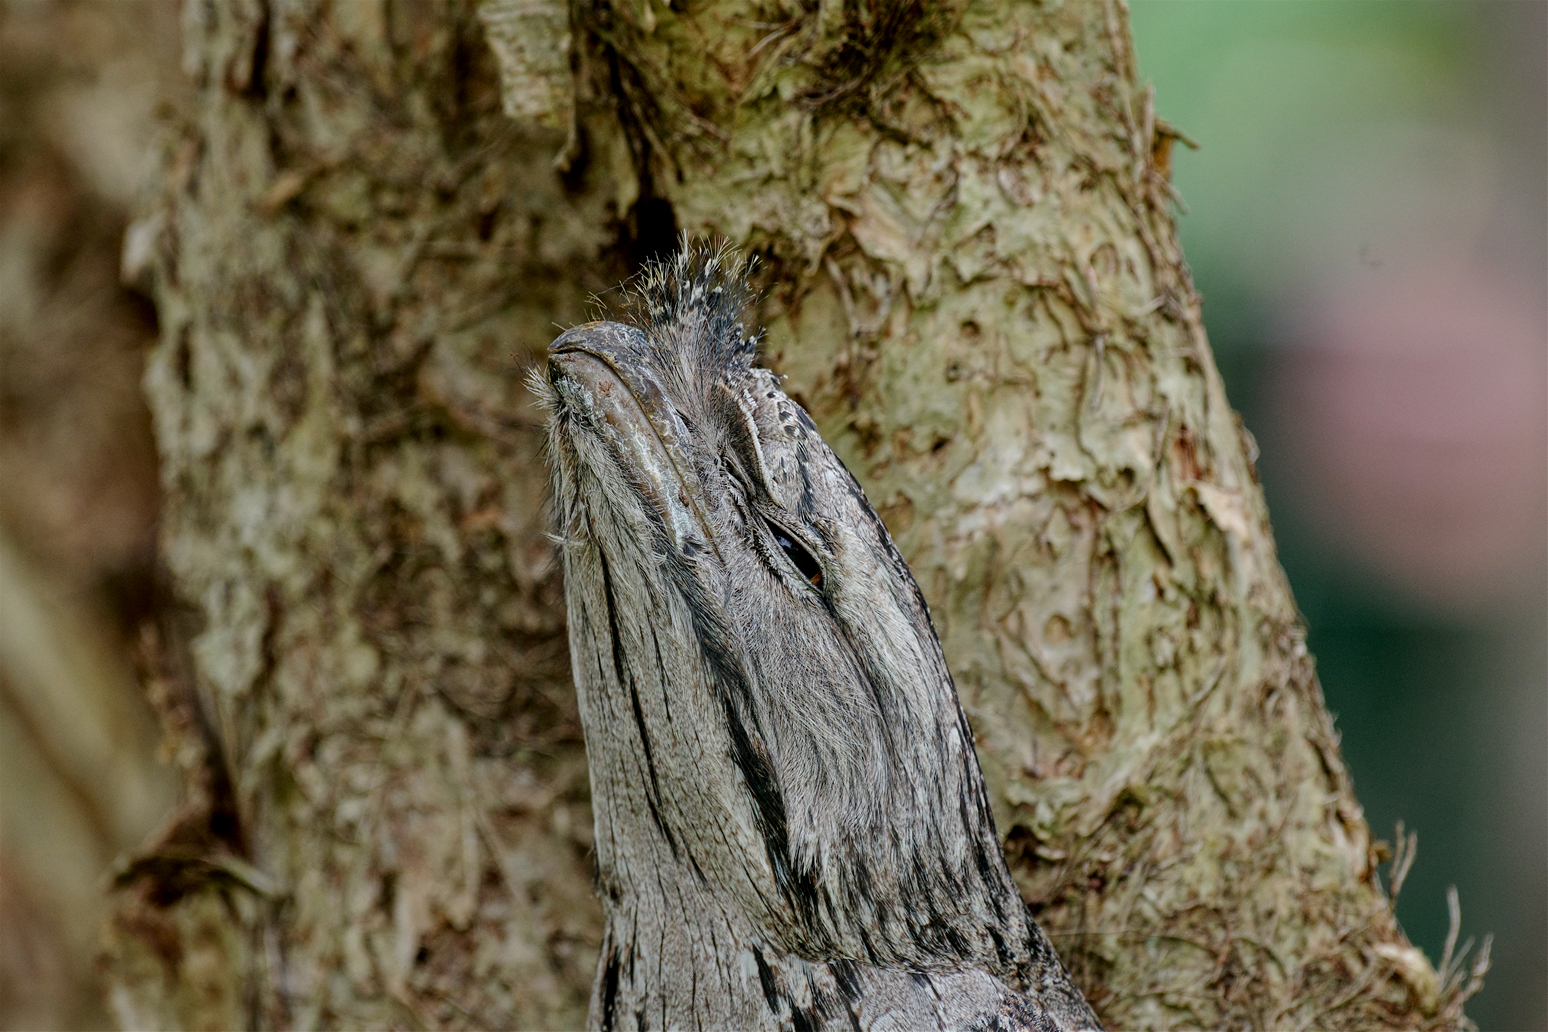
x=798 y=555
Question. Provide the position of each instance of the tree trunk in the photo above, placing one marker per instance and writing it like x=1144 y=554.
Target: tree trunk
x=973 y=284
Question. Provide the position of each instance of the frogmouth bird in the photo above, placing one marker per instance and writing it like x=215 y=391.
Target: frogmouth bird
x=791 y=827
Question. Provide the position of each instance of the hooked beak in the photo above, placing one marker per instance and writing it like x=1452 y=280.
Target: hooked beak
x=601 y=375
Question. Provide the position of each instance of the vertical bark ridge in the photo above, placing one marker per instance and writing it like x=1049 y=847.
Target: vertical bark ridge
x=353 y=243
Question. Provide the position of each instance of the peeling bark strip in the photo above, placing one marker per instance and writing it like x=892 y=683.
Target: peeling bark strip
x=797 y=787
x=979 y=298
x=531 y=40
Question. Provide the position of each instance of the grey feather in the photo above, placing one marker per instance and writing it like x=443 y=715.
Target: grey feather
x=791 y=826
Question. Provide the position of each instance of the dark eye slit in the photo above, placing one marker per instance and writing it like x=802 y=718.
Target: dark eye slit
x=801 y=557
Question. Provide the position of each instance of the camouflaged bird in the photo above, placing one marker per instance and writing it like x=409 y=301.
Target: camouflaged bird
x=791 y=826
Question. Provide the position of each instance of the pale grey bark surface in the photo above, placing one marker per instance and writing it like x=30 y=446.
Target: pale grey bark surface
x=973 y=286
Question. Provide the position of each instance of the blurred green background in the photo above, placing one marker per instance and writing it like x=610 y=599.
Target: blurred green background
x=1366 y=221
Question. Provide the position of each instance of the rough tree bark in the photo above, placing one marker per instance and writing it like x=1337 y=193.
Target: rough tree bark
x=973 y=283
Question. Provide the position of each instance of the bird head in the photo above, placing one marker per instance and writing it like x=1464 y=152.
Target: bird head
x=766 y=705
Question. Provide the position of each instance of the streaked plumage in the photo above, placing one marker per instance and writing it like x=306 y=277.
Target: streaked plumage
x=791 y=827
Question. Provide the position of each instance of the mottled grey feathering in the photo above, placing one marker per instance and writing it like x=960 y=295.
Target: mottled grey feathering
x=791 y=827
